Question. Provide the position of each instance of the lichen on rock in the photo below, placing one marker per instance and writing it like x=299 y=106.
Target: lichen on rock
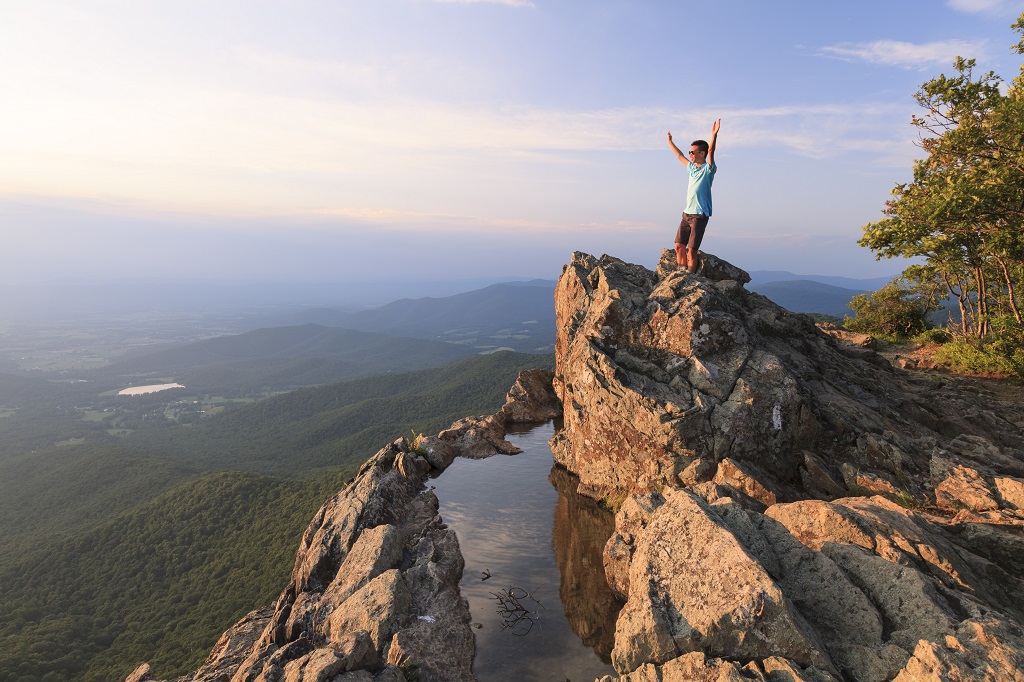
x=791 y=507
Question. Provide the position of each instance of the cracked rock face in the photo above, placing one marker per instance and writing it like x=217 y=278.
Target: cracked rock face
x=657 y=370
x=790 y=508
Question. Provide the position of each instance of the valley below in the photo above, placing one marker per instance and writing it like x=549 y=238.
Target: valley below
x=140 y=526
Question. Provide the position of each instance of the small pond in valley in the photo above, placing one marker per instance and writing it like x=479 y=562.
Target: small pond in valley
x=520 y=521
x=152 y=388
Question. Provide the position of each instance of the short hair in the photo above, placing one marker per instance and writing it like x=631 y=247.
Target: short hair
x=700 y=144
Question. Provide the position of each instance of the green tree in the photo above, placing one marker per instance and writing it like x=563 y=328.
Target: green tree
x=898 y=310
x=963 y=212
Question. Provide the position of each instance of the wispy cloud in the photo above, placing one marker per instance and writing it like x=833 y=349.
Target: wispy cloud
x=994 y=7
x=906 y=55
x=509 y=3
x=235 y=149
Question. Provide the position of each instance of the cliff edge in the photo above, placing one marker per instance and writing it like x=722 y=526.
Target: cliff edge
x=374 y=593
x=789 y=508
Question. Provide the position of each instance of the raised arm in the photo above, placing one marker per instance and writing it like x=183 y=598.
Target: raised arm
x=714 y=140
x=682 y=157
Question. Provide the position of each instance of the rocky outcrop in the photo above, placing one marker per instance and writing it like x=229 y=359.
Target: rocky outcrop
x=663 y=375
x=374 y=594
x=790 y=507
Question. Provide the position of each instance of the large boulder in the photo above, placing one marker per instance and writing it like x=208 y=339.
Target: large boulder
x=694 y=587
x=657 y=370
x=788 y=507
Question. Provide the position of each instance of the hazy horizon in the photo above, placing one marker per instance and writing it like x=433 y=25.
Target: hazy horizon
x=457 y=138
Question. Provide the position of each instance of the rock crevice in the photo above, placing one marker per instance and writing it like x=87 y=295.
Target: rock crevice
x=808 y=521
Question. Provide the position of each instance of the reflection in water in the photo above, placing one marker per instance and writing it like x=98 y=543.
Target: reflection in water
x=519 y=534
x=582 y=529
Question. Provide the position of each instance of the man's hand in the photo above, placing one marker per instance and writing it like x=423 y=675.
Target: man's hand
x=679 y=154
x=714 y=141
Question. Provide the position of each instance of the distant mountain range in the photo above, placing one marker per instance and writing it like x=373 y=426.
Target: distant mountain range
x=761 y=277
x=279 y=358
x=520 y=315
x=324 y=345
x=517 y=316
x=806 y=296
x=822 y=294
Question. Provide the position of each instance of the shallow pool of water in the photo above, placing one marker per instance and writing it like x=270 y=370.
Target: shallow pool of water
x=520 y=521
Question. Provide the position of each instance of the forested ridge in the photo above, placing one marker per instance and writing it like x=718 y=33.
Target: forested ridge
x=158 y=582
x=286 y=357
x=147 y=547
x=340 y=423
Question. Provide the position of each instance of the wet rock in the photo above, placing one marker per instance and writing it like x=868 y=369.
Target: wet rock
x=580 y=533
x=532 y=399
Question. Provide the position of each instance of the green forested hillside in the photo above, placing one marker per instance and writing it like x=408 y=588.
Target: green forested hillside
x=147 y=547
x=285 y=357
x=340 y=423
x=519 y=316
x=64 y=489
x=156 y=583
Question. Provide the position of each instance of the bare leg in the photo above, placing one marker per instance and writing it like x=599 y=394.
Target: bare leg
x=691 y=259
x=681 y=255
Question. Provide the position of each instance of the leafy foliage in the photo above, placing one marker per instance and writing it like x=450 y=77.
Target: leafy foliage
x=963 y=213
x=934 y=335
x=896 y=311
x=999 y=353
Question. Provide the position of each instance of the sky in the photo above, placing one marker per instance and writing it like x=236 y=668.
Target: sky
x=337 y=140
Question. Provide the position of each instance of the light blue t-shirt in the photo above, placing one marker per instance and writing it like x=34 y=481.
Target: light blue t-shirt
x=698 y=190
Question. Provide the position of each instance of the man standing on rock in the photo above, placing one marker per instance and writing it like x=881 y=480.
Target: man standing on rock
x=702 y=168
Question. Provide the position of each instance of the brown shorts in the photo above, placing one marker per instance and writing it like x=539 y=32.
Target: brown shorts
x=691 y=230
